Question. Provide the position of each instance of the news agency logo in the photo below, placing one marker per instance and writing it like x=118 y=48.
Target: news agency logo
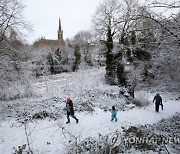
x=116 y=139
x=152 y=140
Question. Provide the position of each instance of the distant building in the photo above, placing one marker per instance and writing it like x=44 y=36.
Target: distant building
x=53 y=43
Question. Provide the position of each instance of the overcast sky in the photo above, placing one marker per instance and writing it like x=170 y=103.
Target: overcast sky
x=44 y=15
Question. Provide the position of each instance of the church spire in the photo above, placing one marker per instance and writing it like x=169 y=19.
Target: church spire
x=60 y=32
x=59 y=24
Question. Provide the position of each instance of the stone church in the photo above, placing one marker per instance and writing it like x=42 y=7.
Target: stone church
x=52 y=43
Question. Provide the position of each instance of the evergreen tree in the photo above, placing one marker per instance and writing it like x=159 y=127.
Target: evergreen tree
x=109 y=58
x=121 y=75
x=77 y=60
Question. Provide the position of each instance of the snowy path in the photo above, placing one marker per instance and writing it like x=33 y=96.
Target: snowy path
x=46 y=137
x=44 y=131
x=99 y=122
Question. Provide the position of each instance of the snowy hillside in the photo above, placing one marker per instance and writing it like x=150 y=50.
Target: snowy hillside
x=37 y=123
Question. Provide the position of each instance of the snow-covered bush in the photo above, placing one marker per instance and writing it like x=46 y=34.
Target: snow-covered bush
x=14 y=80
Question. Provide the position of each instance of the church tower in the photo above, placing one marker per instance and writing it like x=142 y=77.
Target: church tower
x=52 y=43
x=60 y=32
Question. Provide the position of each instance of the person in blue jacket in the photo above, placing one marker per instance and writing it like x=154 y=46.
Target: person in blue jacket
x=114 y=113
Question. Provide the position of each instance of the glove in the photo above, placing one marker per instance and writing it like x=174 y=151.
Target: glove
x=162 y=106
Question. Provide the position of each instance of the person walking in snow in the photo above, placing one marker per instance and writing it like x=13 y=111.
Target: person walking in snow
x=158 y=101
x=114 y=113
x=70 y=110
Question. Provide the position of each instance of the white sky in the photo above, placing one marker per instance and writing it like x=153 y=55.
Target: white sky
x=44 y=16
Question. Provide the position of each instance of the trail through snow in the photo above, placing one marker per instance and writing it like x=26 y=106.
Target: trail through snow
x=47 y=137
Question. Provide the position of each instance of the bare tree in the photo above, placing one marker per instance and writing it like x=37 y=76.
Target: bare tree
x=11 y=17
x=83 y=38
x=12 y=24
x=165 y=14
x=106 y=21
x=107 y=16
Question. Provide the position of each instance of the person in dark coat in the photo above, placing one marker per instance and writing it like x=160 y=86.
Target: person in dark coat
x=158 y=101
x=70 y=110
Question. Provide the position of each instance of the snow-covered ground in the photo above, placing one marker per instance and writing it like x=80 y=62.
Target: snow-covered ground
x=49 y=136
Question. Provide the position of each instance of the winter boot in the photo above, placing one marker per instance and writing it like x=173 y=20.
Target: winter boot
x=67 y=122
x=77 y=120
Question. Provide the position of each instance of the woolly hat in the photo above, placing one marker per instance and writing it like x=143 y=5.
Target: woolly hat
x=68 y=99
x=157 y=94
